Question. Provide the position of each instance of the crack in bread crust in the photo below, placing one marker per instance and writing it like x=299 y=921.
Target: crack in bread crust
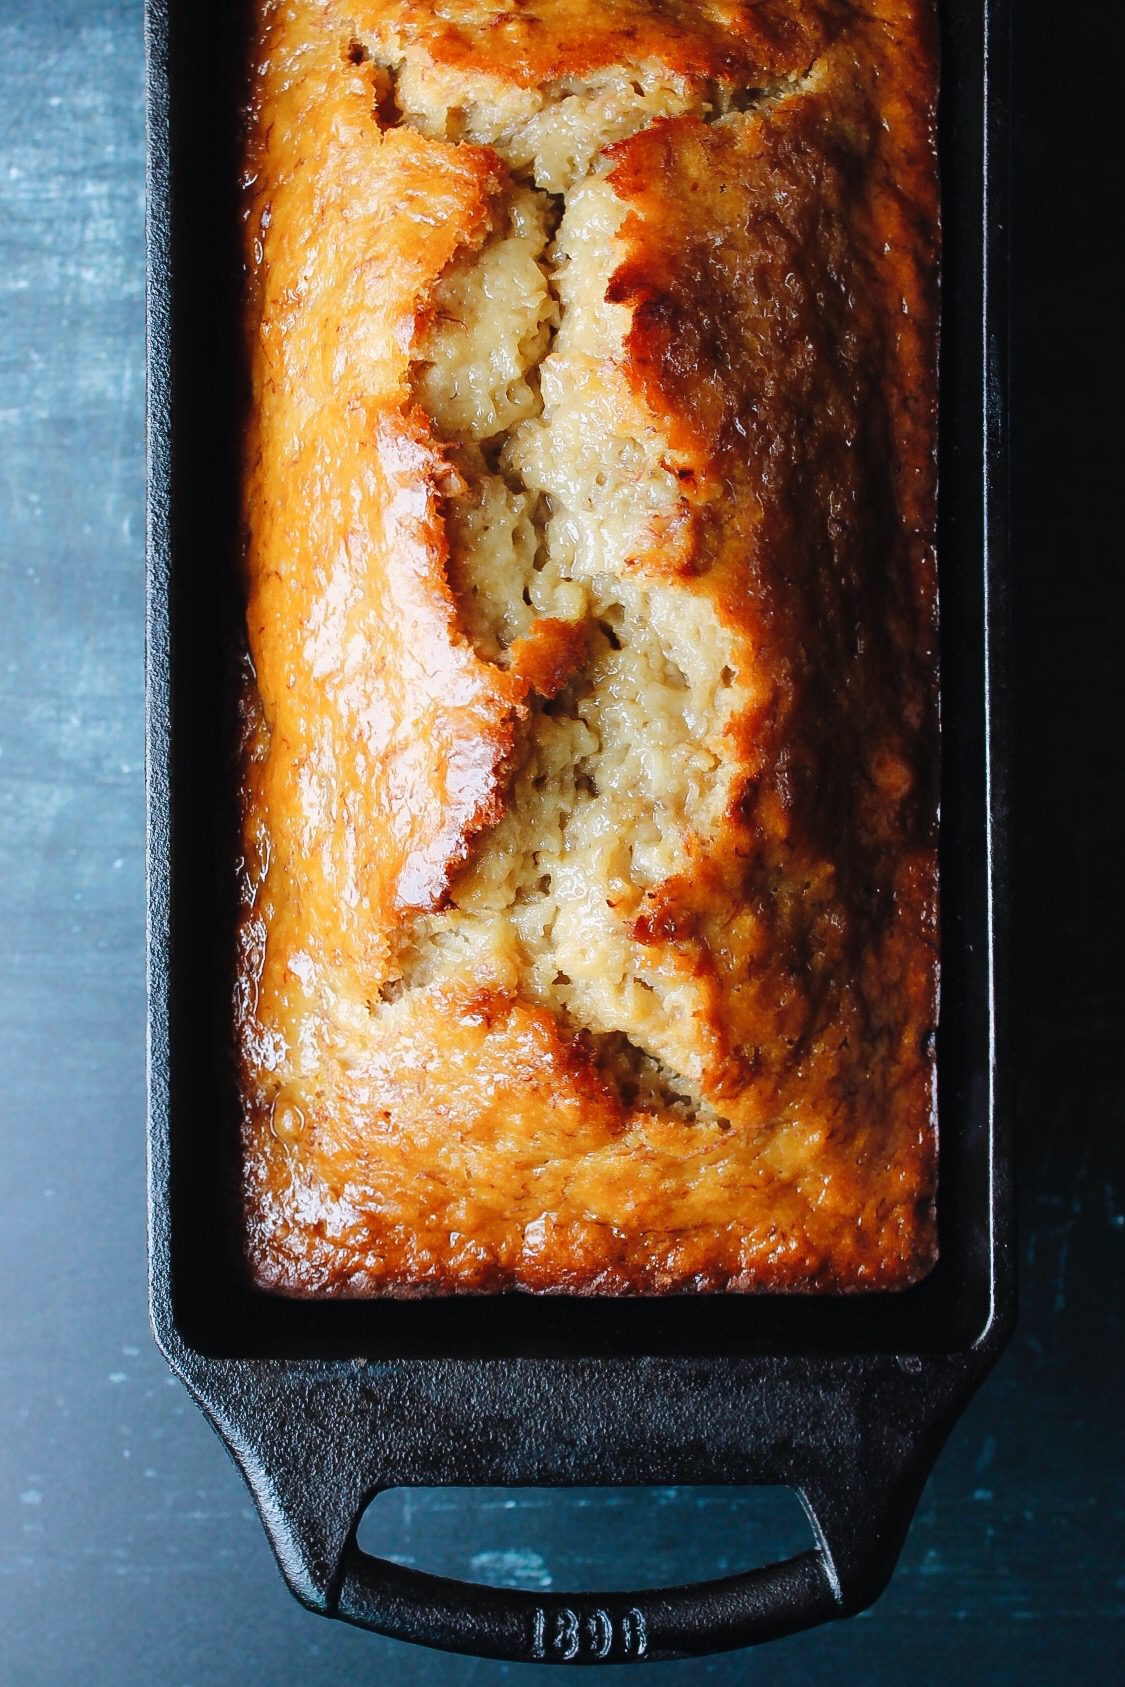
x=622 y=778
x=590 y=499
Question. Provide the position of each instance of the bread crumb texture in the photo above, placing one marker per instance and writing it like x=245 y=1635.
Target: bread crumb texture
x=588 y=930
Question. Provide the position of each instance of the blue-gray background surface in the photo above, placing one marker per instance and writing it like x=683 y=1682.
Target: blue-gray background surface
x=129 y=1552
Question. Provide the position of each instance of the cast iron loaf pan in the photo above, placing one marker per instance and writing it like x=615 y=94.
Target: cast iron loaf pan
x=846 y=1399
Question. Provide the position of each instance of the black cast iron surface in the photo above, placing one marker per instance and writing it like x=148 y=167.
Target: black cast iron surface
x=845 y=1399
x=129 y=1552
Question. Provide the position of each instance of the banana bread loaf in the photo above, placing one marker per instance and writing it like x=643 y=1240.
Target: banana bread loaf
x=588 y=927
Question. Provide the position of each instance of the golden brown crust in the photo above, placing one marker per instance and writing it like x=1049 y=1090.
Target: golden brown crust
x=777 y=268
x=529 y=42
x=379 y=773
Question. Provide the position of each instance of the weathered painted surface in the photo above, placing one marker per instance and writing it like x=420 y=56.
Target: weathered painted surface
x=128 y=1550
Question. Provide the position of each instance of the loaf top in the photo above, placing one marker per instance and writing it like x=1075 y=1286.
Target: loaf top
x=589 y=909
x=532 y=42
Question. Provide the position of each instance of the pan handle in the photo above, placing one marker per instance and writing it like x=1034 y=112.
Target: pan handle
x=588 y=1628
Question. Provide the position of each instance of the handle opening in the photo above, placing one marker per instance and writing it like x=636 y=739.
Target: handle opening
x=547 y=1539
x=512 y=1608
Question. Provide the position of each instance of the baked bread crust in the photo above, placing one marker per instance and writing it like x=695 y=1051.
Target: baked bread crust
x=709 y=1064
